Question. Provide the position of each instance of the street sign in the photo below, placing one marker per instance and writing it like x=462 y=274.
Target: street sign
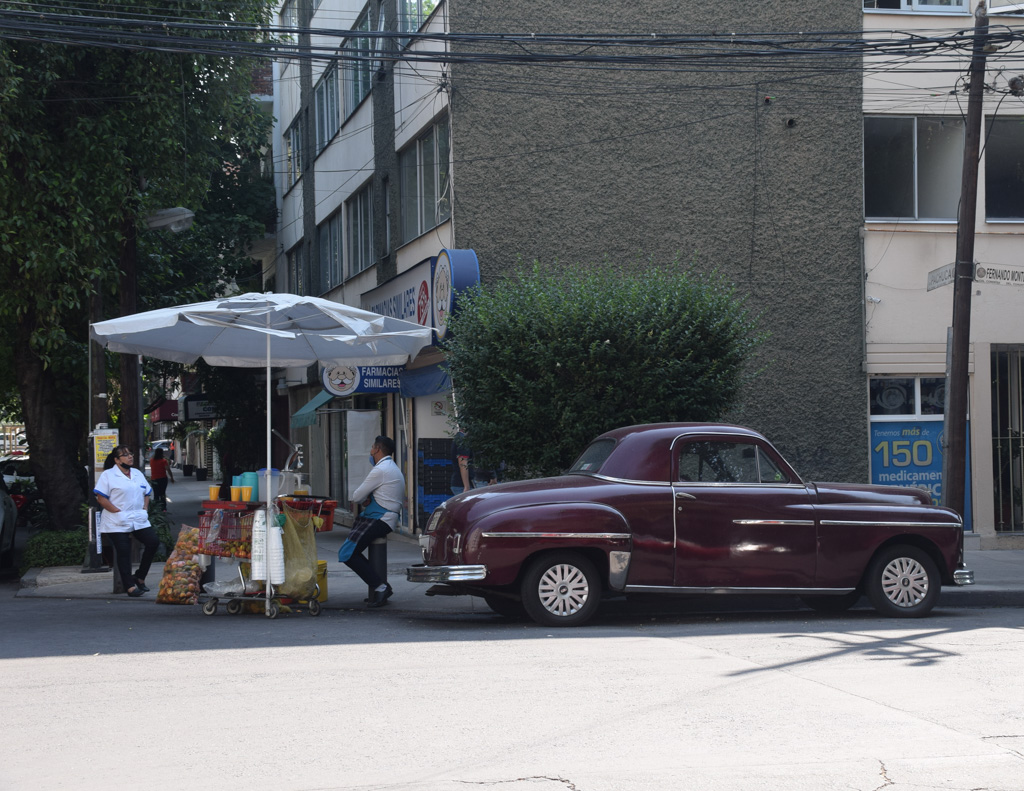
x=940 y=277
x=999 y=275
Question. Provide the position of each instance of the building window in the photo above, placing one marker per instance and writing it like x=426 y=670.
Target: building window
x=898 y=397
x=359 y=225
x=297 y=275
x=293 y=152
x=1004 y=169
x=413 y=13
x=1008 y=437
x=357 y=72
x=926 y=6
x=912 y=167
x=290 y=14
x=327 y=117
x=424 y=186
x=330 y=253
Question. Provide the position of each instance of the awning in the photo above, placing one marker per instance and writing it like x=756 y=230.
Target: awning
x=306 y=416
x=427 y=381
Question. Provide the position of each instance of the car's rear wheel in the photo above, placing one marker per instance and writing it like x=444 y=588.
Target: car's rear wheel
x=502 y=605
x=840 y=603
x=903 y=582
x=561 y=589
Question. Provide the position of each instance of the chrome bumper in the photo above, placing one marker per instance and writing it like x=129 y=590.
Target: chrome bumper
x=445 y=573
x=963 y=577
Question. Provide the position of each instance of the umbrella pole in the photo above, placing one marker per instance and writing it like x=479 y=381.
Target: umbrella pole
x=269 y=478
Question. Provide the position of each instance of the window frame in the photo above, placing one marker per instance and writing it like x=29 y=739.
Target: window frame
x=414 y=10
x=432 y=210
x=356 y=76
x=920 y=177
x=327 y=107
x=990 y=148
x=359 y=253
x=920 y=7
x=293 y=152
x=918 y=413
x=331 y=240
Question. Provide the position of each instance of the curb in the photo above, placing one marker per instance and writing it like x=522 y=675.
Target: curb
x=30 y=579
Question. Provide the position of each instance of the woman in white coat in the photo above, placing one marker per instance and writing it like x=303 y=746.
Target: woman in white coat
x=123 y=493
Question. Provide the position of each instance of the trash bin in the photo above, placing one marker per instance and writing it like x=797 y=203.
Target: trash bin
x=200 y=473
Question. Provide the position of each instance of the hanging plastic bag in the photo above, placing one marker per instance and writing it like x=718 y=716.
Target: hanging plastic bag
x=299 y=543
x=182 y=570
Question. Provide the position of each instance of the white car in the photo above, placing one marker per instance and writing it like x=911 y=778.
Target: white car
x=17 y=468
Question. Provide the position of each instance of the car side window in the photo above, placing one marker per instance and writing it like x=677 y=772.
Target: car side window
x=727 y=462
x=769 y=471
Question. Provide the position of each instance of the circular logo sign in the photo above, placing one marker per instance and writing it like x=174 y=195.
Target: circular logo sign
x=423 y=304
x=341 y=380
x=443 y=294
x=980 y=273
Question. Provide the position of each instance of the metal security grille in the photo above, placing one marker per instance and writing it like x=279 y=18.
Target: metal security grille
x=1008 y=437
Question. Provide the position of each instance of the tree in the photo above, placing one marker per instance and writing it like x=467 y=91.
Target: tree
x=545 y=360
x=91 y=141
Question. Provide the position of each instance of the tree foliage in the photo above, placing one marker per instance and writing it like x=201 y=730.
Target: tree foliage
x=91 y=142
x=545 y=360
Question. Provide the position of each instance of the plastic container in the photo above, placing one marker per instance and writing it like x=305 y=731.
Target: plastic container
x=251 y=480
x=275 y=483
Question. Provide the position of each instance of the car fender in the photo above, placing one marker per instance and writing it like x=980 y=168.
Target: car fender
x=505 y=540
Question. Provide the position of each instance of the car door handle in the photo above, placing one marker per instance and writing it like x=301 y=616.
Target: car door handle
x=682 y=497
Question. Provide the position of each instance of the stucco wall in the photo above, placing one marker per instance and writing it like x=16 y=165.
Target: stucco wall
x=578 y=164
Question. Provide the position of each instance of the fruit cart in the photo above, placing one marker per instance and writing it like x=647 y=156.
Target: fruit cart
x=228 y=533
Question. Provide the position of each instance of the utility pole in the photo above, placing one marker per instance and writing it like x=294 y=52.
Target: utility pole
x=957 y=387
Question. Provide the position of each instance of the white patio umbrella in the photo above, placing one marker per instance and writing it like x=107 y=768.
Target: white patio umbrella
x=265 y=330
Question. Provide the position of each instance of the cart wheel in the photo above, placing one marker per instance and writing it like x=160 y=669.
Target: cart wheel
x=314 y=607
x=273 y=610
x=234 y=607
x=210 y=607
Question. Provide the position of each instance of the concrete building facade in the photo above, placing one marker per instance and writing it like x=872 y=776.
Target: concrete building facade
x=749 y=166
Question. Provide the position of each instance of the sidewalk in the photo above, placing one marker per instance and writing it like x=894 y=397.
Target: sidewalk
x=998 y=574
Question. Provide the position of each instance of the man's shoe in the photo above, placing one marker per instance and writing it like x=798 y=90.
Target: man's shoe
x=380 y=598
x=135 y=592
x=141 y=586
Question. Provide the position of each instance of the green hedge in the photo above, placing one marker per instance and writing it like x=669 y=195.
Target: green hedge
x=55 y=548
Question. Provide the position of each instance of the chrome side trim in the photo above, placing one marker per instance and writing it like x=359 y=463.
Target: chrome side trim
x=872 y=523
x=520 y=534
x=618 y=569
x=739 y=591
x=445 y=573
x=963 y=577
x=793 y=522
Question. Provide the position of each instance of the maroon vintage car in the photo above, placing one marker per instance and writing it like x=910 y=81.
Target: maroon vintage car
x=689 y=508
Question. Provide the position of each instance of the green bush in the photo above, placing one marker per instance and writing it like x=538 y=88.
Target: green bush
x=55 y=548
x=159 y=519
x=545 y=360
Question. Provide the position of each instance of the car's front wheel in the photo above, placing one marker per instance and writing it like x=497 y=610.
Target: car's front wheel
x=561 y=589
x=903 y=582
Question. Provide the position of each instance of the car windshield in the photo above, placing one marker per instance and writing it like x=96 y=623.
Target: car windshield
x=594 y=456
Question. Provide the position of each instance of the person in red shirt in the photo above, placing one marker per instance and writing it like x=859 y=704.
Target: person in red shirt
x=160 y=473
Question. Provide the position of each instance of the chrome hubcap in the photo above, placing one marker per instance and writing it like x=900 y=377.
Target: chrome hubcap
x=563 y=590
x=905 y=582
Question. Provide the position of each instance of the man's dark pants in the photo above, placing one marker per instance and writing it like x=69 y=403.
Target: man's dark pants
x=359 y=563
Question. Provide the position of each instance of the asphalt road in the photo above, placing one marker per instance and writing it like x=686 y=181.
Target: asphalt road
x=100 y=694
